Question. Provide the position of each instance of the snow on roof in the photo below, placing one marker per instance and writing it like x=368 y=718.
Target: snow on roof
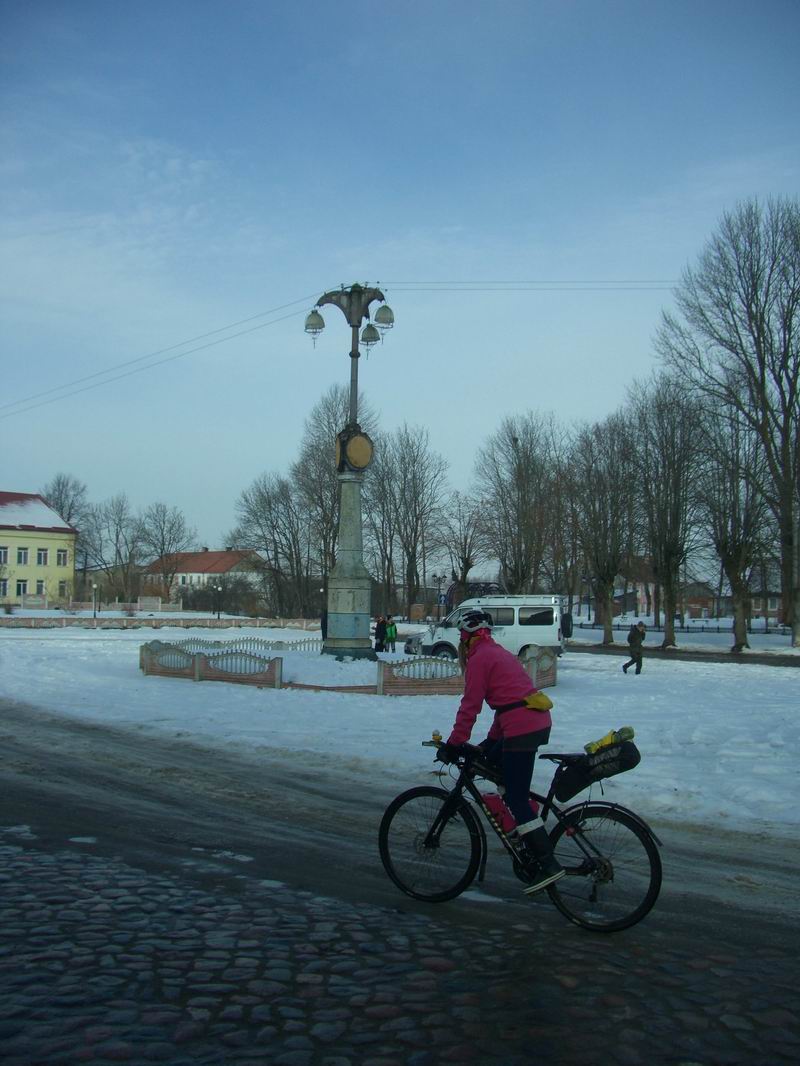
x=26 y=510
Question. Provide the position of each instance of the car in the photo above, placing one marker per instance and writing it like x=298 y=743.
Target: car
x=518 y=623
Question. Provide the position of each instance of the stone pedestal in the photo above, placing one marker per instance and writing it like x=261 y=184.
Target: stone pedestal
x=349 y=583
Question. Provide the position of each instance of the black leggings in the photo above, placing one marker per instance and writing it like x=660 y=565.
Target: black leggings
x=517 y=765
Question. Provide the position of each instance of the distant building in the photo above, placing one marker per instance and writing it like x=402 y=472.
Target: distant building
x=37 y=552
x=203 y=568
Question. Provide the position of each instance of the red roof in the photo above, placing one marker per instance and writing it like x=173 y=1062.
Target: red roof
x=30 y=511
x=205 y=562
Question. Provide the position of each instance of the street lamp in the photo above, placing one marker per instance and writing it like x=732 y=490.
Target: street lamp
x=349 y=582
x=437 y=579
x=94 y=600
x=218 y=590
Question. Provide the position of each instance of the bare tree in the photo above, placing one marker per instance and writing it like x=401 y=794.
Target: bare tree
x=68 y=497
x=563 y=562
x=314 y=472
x=667 y=454
x=417 y=487
x=380 y=521
x=271 y=520
x=459 y=534
x=165 y=535
x=733 y=506
x=737 y=339
x=114 y=545
x=605 y=481
x=514 y=475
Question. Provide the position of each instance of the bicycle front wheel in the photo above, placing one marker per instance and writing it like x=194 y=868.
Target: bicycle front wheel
x=431 y=852
x=613 y=868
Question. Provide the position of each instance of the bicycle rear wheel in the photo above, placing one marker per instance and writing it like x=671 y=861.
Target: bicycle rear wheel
x=613 y=868
x=430 y=866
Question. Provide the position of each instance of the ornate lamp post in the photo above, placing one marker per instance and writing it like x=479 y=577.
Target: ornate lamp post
x=218 y=590
x=437 y=579
x=94 y=600
x=348 y=616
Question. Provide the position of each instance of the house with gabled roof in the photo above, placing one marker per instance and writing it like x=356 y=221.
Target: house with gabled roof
x=37 y=552
x=200 y=569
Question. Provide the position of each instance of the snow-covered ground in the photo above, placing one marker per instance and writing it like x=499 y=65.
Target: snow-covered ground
x=719 y=741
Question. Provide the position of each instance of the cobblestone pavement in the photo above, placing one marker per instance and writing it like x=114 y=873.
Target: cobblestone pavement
x=103 y=963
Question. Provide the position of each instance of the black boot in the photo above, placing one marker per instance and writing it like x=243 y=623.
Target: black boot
x=541 y=864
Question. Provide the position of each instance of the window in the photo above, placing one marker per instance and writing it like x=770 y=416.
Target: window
x=3 y=554
x=63 y=589
x=183 y=579
x=536 y=616
x=22 y=588
x=757 y=603
x=773 y=603
x=501 y=616
x=61 y=557
x=22 y=556
x=40 y=588
x=3 y=587
x=42 y=555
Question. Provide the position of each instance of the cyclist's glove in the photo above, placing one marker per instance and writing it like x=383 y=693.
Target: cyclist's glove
x=448 y=753
x=491 y=751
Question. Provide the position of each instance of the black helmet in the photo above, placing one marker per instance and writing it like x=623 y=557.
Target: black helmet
x=475 y=620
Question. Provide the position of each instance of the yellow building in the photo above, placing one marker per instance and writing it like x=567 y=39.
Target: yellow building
x=37 y=552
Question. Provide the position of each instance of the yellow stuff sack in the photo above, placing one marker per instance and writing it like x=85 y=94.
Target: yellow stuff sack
x=537 y=701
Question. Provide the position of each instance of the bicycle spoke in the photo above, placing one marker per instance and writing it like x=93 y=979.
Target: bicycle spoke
x=430 y=866
x=613 y=869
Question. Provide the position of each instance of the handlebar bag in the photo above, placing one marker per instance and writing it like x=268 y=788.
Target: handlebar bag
x=607 y=762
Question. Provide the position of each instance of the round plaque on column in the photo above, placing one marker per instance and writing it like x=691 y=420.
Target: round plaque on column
x=354 y=450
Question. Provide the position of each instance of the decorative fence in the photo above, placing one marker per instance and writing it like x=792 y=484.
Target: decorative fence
x=256 y=645
x=248 y=662
x=542 y=664
x=420 y=677
x=227 y=664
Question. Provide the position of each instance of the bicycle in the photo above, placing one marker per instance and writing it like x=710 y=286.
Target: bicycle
x=433 y=844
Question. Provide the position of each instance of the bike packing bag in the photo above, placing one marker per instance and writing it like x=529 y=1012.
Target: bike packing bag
x=607 y=762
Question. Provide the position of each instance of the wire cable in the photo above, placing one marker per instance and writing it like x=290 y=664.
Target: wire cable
x=109 y=375
x=152 y=355
x=149 y=366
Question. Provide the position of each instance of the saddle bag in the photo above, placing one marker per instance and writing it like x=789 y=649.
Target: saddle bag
x=607 y=762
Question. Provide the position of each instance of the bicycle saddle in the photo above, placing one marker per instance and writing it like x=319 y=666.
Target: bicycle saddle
x=567 y=758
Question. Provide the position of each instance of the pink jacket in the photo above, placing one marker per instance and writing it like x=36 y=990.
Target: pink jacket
x=498 y=677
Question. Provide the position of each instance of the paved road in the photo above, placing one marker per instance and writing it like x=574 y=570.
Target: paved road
x=163 y=903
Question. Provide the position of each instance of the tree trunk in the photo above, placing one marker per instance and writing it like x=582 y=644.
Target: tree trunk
x=670 y=604
x=740 y=596
x=604 y=608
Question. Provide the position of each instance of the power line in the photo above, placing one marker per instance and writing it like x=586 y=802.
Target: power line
x=69 y=388
x=546 y=282
x=149 y=366
x=152 y=355
x=531 y=286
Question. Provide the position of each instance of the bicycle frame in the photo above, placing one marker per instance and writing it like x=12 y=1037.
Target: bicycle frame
x=465 y=783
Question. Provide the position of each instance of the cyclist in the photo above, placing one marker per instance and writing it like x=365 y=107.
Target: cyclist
x=521 y=726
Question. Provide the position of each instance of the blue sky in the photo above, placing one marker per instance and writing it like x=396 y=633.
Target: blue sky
x=171 y=168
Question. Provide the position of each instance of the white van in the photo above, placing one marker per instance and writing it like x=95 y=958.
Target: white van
x=517 y=623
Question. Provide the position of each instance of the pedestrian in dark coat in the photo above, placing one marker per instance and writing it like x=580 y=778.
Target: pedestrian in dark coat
x=635 y=640
x=380 y=634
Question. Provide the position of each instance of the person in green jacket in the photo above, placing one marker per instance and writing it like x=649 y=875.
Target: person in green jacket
x=391 y=633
